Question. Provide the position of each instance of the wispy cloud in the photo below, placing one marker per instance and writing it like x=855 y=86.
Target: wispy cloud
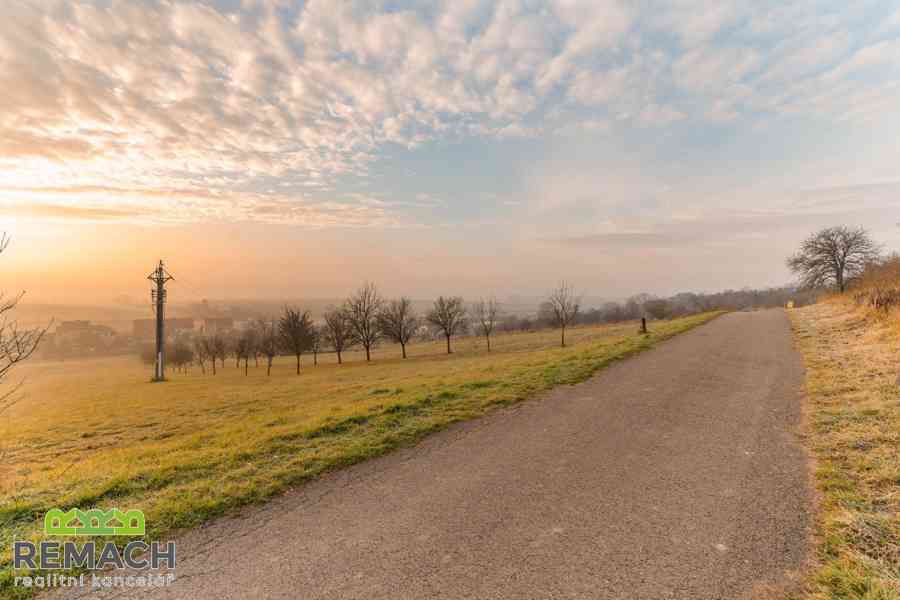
x=196 y=109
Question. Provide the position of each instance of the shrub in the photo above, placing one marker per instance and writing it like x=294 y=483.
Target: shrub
x=879 y=285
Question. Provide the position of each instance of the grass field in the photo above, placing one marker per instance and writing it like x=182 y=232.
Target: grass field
x=97 y=433
x=853 y=389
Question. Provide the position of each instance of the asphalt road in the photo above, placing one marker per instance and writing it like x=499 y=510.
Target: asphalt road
x=674 y=474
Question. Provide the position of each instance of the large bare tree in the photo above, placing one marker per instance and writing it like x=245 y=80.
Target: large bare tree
x=449 y=316
x=17 y=344
x=398 y=322
x=338 y=332
x=487 y=313
x=295 y=333
x=362 y=313
x=833 y=256
x=563 y=305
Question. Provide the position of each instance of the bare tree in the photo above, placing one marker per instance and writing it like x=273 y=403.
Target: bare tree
x=487 y=313
x=182 y=356
x=243 y=348
x=268 y=343
x=337 y=331
x=218 y=349
x=260 y=328
x=234 y=346
x=16 y=344
x=398 y=322
x=252 y=335
x=209 y=348
x=315 y=343
x=295 y=333
x=833 y=256
x=201 y=353
x=564 y=304
x=449 y=316
x=255 y=350
x=362 y=313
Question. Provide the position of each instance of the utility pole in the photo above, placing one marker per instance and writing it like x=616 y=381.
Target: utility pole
x=160 y=276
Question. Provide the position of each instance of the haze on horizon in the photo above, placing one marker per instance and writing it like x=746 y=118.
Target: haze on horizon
x=271 y=149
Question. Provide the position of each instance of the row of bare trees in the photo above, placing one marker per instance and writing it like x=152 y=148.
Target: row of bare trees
x=366 y=317
x=293 y=334
x=363 y=320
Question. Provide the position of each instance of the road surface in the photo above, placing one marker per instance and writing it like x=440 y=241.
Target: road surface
x=676 y=473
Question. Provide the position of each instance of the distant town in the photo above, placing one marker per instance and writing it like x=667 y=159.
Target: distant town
x=82 y=337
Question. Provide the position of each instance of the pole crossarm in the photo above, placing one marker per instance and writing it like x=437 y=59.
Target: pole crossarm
x=160 y=274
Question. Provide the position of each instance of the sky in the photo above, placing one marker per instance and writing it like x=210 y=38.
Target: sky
x=266 y=148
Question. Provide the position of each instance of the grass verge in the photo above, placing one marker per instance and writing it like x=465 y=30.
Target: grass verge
x=853 y=394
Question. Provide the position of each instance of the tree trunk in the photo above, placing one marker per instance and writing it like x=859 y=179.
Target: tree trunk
x=563 y=336
x=214 y=366
x=298 y=364
x=403 y=349
x=315 y=359
x=448 y=345
x=488 y=338
x=269 y=368
x=367 y=354
x=339 y=356
x=246 y=366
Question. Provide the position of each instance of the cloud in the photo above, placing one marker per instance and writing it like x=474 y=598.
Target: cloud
x=178 y=206
x=66 y=212
x=162 y=95
x=702 y=69
x=701 y=223
x=655 y=114
x=628 y=240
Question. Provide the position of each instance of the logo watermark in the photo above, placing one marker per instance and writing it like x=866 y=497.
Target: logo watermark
x=53 y=555
x=94 y=522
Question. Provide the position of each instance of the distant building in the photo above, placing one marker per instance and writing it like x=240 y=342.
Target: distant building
x=68 y=330
x=145 y=329
x=213 y=325
x=243 y=324
x=81 y=337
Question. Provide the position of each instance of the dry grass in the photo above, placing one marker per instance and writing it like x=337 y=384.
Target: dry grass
x=879 y=287
x=853 y=362
x=97 y=433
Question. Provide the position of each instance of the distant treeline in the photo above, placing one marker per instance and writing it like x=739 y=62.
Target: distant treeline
x=653 y=307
